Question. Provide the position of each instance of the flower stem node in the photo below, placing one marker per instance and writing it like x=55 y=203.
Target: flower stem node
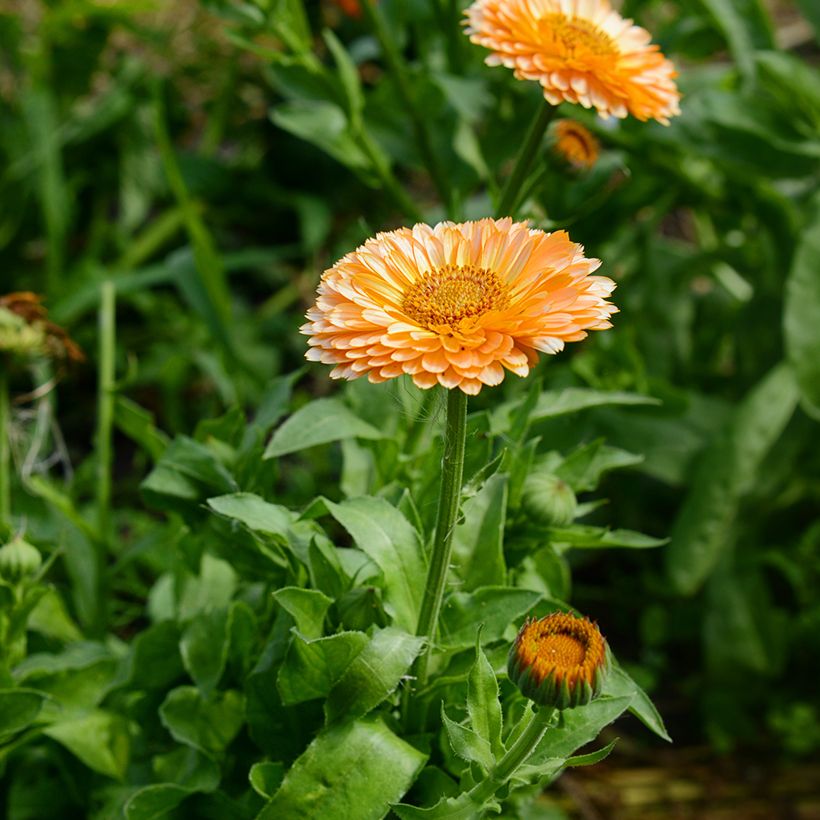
x=549 y=500
x=18 y=560
x=560 y=660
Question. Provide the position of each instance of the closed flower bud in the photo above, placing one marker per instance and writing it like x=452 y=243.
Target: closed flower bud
x=549 y=500
x=559 y=661
x=18 y=559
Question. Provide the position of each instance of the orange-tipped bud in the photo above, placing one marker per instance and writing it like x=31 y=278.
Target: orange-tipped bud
x=575 y=144
x=560 y=660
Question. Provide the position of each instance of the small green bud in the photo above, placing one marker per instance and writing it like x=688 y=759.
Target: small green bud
x=549 y=500
x=18 y=559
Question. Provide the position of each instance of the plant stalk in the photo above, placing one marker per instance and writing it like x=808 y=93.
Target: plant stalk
x=532 y=142
x=452 y=471
x=398 y=68
x=5 y=448
x=107 y=318
x=514 y=757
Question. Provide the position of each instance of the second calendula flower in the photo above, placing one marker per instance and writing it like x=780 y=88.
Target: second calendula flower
x=455 y=304
x=580 y=51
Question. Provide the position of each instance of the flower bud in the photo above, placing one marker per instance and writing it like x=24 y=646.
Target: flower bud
x=549 y=500
x=576 y=145
x=559 y=661
x=18 y=559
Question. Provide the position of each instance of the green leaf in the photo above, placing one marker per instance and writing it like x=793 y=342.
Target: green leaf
x=138 y=424
x=50 y=618
x=552 y=404
x=266 y=777
x=801 y=327
x=467 y=744
x=726 y=471
x=204 y=648
x=155 y=801
x=373 y=674
x=354 y=770
x=19 y=708
x=99 y=739
x=312 y=667
x=448 y=808
x=483 y=705
x=478 y=541
x=154 y=661
x=746 y=27
x=585 y=537
x=307 y=607
x=207 y=725
x=349 y=77
x=583 y=468
x=620 y=684
x=320 y=422
x=389 y=539
x=577 y=727
x=494 y=607
x=253 y=512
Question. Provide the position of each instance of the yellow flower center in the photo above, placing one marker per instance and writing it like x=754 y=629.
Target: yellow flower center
x=562 y=649
x=579 y=37
x=449 y=294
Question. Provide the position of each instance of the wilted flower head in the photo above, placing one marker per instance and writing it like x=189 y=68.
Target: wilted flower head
x=580 y=51
x=455 y=304
x=575 y=144
x=560 y=660
x=26 y=332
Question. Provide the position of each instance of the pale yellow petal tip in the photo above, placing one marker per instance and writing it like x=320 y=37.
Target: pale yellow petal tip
x=582 y=53
x=456 y=305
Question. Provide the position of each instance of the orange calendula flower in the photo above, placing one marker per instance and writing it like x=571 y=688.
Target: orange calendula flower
x=575 y=144
x=455 y=304
x=580 y=51
x=26 y=331
x=560 y=660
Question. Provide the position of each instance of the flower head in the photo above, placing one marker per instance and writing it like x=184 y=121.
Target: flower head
x=560 y=660
x=455 y=304
x=575 y=144
x=580 y=51
x=26 y=332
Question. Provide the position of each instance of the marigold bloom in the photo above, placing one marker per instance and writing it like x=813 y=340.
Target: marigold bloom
x=560 y=660
x=575 y=144
x=580 y=51
x=455 y=304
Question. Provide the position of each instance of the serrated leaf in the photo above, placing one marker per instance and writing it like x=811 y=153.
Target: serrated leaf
x=483 y=705
x=478 y=541
x=466 y=744
x=353 y=770
x=320 y=422
x=726 y=471
x=373 y=674
x=389 y=539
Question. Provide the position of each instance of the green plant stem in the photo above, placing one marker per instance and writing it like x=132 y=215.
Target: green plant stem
x=5 y=448
x=401 y=198
x=514 y=757
x=532 y=142
x=452 y=470
x=105 y=403
x=398 y=69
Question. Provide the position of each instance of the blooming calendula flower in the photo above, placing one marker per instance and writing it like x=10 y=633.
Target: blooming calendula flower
x=580 y=51
x=560 y=660
x=575 y=144
x=455 y=304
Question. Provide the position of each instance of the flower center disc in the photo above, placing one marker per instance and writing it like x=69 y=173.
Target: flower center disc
x=562 y=649
x=578 y=37
x=449 y=294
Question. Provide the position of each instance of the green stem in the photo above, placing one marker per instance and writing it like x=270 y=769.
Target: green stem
x=398 y=69
x=452 y=470
x=5 y=448
x=107 y=318
x=400 y=197
x=514 y=757
x=532 y=142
